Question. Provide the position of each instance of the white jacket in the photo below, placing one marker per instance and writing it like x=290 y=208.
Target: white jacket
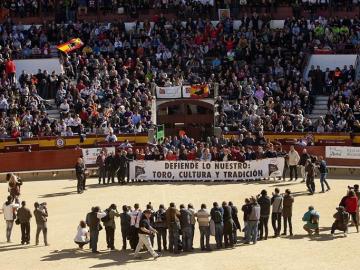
x=293 y=158
x=8 y=211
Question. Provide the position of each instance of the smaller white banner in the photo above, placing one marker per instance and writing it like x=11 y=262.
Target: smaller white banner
x=90 y=154
x=168 y=92
x=186 y=91
x=345 y=152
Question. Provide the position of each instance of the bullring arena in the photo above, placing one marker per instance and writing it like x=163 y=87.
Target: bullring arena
x=180 y=120
x=66 y=208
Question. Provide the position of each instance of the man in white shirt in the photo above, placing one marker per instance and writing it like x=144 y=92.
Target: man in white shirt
x=111 y=137
x=64 y=107
x=294 y=159
x=9 y=209
x=134 y=226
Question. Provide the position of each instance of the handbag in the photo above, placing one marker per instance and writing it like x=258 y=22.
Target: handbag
x=17 y=221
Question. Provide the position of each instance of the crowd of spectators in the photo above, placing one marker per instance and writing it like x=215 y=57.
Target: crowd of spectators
x=183 y=8
x=343 y=105
x=254 y=71
x=240 y=148
x=268 y=92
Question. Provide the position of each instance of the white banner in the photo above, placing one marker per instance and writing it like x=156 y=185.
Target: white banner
x=90 y=154
x=345 y=152
x=210 y=171
x=168 y=92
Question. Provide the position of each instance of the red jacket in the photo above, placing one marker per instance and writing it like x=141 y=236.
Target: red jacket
x=171 y=157
x=10 y=67
x=351 y=204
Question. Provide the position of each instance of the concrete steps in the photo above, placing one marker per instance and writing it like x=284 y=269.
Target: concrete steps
x=320 y=107
x=53 y=113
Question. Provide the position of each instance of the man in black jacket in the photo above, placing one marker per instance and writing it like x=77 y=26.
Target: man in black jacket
x=265 y=203
x=125 y=222
x=228 y=225
x=110 y=168
x=24 y=215
x=93 y=221
x=234 y=214
x=121 y=162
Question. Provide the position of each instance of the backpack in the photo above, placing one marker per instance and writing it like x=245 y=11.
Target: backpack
x=107 y=217
x=185 y=218
x=159 y=217
x=345 y=218
x=217 y=216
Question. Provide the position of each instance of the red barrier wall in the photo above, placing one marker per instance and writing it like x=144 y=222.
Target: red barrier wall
x=39 y=160
x=66 y=159
x=320 y=151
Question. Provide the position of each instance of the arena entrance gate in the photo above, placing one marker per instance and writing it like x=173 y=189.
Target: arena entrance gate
x=195 y=117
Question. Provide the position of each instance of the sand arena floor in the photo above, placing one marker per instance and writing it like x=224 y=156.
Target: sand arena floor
x=66 y=208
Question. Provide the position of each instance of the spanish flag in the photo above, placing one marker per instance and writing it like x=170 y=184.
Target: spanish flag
x=71 y=45
x=199 y=91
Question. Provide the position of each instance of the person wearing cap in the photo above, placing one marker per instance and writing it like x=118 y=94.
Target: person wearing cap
x=311 y=217
x=341 y=220
x=265 y=204
x=145 y=230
